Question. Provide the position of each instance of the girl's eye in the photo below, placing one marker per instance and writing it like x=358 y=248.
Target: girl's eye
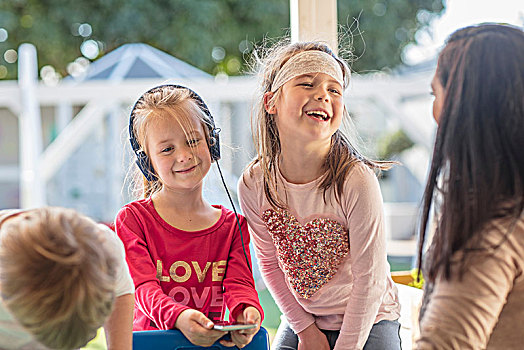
x=335 y=91
x=167 y=149
x=193 y=142
x=306 y=84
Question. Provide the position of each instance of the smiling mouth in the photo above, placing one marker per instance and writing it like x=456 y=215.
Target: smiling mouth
x=185 y=170
x=320 y=115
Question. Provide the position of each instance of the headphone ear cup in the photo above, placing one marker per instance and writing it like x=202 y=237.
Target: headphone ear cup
x=145 y=166
x=214 y=145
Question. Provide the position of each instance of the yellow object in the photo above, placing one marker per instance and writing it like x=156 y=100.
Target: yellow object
x=98 y=343
x=408 y=278
x=402 y=277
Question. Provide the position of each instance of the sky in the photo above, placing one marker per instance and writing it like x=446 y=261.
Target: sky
x=461 y=13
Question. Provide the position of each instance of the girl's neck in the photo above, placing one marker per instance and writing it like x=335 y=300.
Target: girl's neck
x=188 y=212
x=303 y=164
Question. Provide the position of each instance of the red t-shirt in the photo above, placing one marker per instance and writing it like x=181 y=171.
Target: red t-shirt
x=174 y=270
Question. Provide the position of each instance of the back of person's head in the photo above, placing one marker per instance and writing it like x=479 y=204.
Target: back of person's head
x=56 y=277
x=343 y=153
x=478 y=152
x=164 y=102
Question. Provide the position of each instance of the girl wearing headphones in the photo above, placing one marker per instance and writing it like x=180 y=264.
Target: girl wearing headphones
x=187 y=257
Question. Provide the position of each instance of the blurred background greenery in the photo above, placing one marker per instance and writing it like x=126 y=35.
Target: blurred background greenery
x=215 y=36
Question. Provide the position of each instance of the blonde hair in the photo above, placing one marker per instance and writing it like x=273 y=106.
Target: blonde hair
x=342 y=155
x=166 y=101
x=56 y=277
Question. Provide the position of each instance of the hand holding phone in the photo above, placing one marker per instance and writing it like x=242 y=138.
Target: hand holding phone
x=249 y=317
x=197 y=328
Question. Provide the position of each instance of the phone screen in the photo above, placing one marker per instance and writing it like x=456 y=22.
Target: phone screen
x=233 y=327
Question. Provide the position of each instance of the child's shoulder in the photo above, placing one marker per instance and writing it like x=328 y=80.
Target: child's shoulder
x=110 y=237
x=362 y=169
x=140 y=203
x=136 y=207
x=230 y=216
x=360 y=175
x=251 y=176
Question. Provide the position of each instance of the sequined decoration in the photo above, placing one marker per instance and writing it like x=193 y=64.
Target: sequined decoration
x=310 y=254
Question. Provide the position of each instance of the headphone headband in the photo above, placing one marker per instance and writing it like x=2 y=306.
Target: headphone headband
x=143 y=162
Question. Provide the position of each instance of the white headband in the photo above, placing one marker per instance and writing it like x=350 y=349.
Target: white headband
x=310 y=61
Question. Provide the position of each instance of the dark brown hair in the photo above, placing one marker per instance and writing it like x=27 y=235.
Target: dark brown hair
x=477 y=169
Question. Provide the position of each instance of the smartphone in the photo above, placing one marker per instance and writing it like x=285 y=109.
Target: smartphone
x=233 y=327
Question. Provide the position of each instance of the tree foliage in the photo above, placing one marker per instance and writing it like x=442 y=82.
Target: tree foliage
x=190 y=29
x=377 y=31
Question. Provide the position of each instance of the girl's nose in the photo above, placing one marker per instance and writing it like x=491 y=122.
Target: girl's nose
x=322 y=95
x=184 y=155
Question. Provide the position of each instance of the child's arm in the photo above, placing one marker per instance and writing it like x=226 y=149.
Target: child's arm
x=274 y=278
x=119 y=326
x=368 y=257
x=149 y=296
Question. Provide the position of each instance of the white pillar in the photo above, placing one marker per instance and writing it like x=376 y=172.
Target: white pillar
x=114 y=162
x=64 y=116
x=32 y=187
x=314 y=20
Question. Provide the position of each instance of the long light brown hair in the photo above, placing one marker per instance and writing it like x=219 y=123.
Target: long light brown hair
x=342 y=155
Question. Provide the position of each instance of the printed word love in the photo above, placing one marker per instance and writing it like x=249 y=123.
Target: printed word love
x=210 y=295
x=180 y=271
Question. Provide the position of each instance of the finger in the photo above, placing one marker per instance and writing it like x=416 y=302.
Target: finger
x=227 y=343
x=241 y=340
x=204 y=321
x=249 y=332
x=241 y=317
x=246 y=332
x=252 y=315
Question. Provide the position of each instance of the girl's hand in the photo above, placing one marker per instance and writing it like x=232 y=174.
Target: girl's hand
x=242 y=337
x=312 y=338
x=197 y=328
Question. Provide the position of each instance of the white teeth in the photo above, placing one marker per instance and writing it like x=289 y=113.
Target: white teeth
x=318 y=114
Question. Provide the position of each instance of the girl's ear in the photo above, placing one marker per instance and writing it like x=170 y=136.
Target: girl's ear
x=270 y=109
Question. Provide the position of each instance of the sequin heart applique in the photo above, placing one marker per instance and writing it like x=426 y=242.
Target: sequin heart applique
x=310 y=254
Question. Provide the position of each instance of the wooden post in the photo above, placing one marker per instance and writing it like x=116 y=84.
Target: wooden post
x=314 y=20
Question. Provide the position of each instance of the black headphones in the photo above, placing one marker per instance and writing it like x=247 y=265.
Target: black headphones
x=142 y=160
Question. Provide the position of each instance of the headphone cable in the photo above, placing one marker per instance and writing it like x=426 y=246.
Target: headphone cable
x=236 y=216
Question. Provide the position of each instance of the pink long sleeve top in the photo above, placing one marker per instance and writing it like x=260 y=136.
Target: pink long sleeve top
x=324 y=261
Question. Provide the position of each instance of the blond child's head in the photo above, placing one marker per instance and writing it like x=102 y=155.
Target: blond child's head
x=56 y=277
x=174 y=107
